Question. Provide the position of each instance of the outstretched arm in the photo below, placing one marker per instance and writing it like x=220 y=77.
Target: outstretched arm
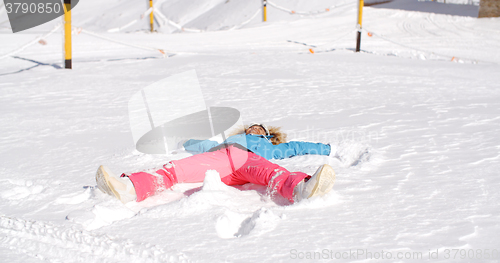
x=199 y=146
x=293 y=148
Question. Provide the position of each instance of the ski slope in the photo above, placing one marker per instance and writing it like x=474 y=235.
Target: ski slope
x=423 y=96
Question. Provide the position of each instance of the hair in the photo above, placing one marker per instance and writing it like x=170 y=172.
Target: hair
x=277 y=135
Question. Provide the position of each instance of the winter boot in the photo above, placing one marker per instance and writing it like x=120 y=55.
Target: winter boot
x=119 y=187
x=320 y=183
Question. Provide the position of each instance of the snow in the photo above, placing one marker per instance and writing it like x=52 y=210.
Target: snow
x=459 y=8
x=423 y=97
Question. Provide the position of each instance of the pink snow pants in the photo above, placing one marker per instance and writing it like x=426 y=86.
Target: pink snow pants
x=235 y=166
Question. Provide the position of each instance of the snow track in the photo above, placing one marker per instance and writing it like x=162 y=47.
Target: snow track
x=61 y=244
x=432 y=19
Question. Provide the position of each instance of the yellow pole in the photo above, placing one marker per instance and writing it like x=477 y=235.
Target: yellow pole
x=151 y=16
x=67 y=34
x=264 y=11
x=360 y=14
x=360 y=25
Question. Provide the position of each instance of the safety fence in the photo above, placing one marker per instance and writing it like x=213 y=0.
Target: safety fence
x=427 y=52
x=118 y=29
x=81 y=30
x=78 y=30
x=163 y=20
x=32 y=42
x=327 y=46
x=306 y=13
x=247 y=21
x=330 y=46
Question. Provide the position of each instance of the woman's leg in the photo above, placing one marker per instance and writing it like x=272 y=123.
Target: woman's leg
x=234 y=165
x=150 y=182
x=258 y=170
x=188 y=170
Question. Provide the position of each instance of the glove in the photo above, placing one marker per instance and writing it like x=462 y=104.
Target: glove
x=180 y=144
x=333 y=151
x=180 y=147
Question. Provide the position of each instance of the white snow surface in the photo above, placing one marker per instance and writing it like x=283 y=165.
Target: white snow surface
x=423 y=98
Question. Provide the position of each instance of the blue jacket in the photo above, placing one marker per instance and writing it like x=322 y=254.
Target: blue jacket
x=260 y=145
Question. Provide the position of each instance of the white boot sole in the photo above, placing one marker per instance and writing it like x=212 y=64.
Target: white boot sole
x=325 y=179
x=102 y=178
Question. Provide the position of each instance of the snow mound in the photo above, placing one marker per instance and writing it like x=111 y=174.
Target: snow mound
x=233 y=225
x=215 y=194
x=213 y=182
x=76 y=198
x=101 y=214
x=353 y=153
x=21 y=189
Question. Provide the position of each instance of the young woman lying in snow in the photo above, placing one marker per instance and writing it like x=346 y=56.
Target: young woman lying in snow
x=242 y=158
